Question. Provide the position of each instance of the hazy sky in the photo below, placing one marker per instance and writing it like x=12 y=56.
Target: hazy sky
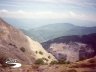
x=75 y=11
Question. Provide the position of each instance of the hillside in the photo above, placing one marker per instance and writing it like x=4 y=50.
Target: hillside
x=14 y=44
x=88 y=65
x=48 y=32
x=39 y=51
x=72 y=48
x=51 y=31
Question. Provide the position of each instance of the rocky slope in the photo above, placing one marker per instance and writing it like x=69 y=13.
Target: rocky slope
x=39 y=51
x=74 y=47
x=14 y=44
x=73 y=51
x=88 y=65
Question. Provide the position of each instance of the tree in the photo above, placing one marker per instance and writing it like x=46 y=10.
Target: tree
x=39 y=61
x=40 y=52
x=36 y=52
x=22 y=49
x=54 y=62
x=63 y=62
x=49 y=57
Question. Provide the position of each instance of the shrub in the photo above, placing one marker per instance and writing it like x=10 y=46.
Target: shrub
x=39 y=61
x=36 y=52
x=53 y=62
x=40 y=52
x=49 y=57
x=22 y=49
x=63 y=62
x=45 y=59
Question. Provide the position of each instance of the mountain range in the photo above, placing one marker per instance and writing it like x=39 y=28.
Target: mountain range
x=66 y=37
x=58 y=42
x=51 y=31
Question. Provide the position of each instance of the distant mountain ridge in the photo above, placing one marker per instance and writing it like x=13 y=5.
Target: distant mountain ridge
x=51 y=31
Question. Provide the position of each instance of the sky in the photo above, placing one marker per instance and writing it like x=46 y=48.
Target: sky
x=40 y=12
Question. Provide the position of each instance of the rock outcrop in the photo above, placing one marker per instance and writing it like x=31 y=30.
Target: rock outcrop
x=73 y=51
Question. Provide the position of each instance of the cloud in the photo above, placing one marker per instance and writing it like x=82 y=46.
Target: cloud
x=47 y=15
x=21 y=12
x=4 y=11
x=82 y=16
x=72 y=13
x=82 y=3
x=34 y=15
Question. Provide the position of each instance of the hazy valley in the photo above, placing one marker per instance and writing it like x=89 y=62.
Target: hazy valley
x=51 y=31
x=62 y=48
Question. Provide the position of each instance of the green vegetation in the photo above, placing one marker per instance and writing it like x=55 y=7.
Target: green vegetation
x=40 y=52
x=63 y=62
x=36 y=52
x=54 y=62
x=39 y=61
x=49 y=57
x=22 y=49
x=60 y=62
x=45 y=59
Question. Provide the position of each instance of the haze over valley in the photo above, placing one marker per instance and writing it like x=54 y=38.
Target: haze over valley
x=47 y=36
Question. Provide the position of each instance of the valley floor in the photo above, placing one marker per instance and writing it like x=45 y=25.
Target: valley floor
x=49 y=68
x=88 y=65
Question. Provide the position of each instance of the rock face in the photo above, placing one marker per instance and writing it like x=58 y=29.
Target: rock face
x=73 y=51
x=78 y=46
x=14 y=44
